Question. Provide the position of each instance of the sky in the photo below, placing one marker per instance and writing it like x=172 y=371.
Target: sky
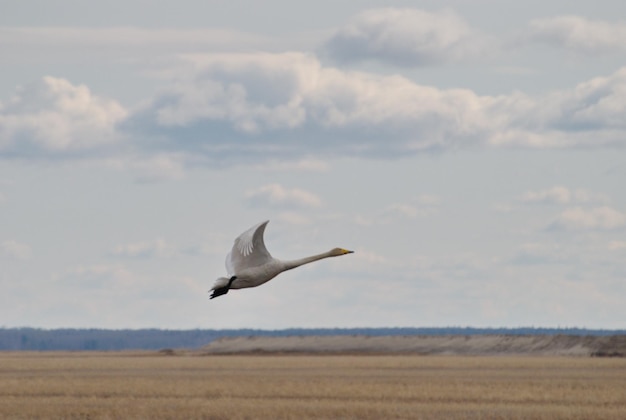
x=472 y=154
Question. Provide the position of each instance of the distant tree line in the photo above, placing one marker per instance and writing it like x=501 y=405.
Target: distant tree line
x=155 y=339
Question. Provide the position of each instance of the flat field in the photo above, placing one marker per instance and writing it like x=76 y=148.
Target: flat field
x=156 y=386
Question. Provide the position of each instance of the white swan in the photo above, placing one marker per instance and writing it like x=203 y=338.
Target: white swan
x=249 y=264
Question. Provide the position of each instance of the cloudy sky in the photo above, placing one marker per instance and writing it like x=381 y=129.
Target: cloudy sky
x=471 y=153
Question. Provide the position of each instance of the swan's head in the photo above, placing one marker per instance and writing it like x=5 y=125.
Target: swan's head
x=339 y=251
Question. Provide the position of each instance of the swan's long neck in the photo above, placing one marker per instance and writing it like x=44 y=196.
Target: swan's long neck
x=297 y=263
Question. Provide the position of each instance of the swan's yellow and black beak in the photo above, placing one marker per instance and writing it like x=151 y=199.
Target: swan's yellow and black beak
x=345 y=251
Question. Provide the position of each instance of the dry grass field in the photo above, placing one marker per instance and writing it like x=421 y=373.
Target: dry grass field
x=124 y=385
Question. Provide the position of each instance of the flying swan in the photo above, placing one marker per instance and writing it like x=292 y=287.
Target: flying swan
x=249 y=264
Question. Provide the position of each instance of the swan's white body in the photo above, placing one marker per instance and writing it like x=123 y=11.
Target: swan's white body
x=249 y=264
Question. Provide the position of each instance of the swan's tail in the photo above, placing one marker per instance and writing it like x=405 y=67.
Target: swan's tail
x=221 y=286
x=220 y=282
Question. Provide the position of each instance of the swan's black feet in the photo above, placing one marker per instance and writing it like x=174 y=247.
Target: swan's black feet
x=224 y=289
x=219 y=292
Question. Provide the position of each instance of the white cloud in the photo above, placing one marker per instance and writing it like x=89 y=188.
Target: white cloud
x=596 y=105
x=151 y=168
x=420 y=206
x=588 y=115
x=14 y=250
x=580 y=34
x=284 y=104
x=277 y=196
x=54 y=116
x=405 y=210
x=406 y=37
x=252 y=91
x=262 y=107
x=157 y=248
x=562 y=195
x=602 y=218
x=279 y=105
x=428 y=201
x=617 y=245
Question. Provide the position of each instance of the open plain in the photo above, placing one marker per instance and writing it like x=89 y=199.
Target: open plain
x=165 y=385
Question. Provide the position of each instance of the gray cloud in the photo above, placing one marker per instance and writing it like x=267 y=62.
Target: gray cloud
x=580 y=34
x=407 y=37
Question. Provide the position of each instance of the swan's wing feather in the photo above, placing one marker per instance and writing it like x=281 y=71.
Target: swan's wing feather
x=248 y=250
x=230 y=270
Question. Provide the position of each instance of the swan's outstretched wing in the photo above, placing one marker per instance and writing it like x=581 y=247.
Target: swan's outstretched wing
x=248 y=251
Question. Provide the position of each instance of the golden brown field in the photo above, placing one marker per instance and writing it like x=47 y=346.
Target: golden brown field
x=151 y=385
